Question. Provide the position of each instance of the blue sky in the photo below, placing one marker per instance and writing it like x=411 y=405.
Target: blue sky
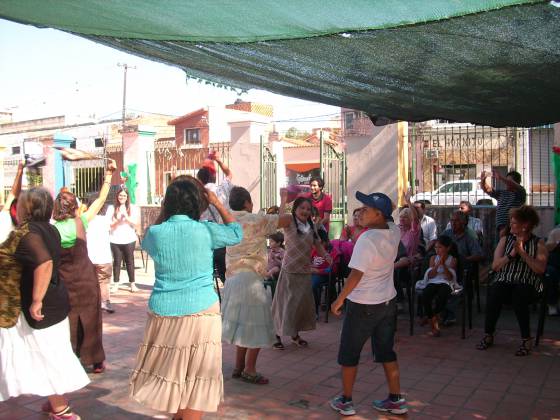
x=44 y=72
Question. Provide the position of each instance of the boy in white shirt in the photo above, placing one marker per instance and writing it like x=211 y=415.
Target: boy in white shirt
x=371 y=311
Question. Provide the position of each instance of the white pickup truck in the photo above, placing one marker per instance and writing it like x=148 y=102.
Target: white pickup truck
x=453 y=192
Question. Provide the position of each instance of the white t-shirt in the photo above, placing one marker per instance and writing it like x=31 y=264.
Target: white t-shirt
x=429 y=228
x=98 y=243
x=6 y=225
x=222 y=192
x=374 y=255
x=123 y=233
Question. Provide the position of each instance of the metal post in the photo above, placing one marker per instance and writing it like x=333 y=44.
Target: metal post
x=123 y=119
x=321 y=162
x=413 y=160
x=261 y=184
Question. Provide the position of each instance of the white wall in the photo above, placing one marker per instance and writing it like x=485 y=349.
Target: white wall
x=372 y=164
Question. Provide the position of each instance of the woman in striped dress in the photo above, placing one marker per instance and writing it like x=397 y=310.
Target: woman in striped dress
x=519 y=262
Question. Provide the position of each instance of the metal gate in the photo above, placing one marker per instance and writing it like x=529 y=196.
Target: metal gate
x=446 y=161
x=167 y=160
x=333 y=172
x=268 y=187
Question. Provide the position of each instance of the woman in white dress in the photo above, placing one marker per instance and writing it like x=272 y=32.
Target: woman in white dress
x=36 y=355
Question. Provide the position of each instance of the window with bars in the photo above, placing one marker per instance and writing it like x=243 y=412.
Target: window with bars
x=192 y=136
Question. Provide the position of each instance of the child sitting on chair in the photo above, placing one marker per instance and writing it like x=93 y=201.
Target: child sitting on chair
x=439 y=282
x=275 y=254
x=321 y=269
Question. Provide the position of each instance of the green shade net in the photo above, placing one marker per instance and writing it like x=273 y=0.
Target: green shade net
x=486 y=62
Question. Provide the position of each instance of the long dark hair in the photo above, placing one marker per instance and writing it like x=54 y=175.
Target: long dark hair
x=447 y=242
x=118 y=204
x=298 y=202
x=185 y=195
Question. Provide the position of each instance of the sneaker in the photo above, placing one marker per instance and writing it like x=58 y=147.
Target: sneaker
x=67 y=414
x=114 y=288
x=392 y=407
x=344 y=408
x=107 y=307
x=133 y=287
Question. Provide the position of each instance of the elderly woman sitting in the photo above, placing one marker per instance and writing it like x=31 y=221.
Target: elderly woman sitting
x=519 y=261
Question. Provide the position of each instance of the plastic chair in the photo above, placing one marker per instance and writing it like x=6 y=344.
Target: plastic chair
x=336 y=281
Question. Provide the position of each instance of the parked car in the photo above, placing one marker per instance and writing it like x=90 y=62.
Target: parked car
x=453 y=192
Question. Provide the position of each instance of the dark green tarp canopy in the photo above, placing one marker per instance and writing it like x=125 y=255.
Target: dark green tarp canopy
x=487 y=62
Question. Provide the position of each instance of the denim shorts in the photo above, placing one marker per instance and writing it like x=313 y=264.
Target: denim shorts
x=361 y=322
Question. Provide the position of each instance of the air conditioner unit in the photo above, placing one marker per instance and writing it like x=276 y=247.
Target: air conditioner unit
x=431 y=153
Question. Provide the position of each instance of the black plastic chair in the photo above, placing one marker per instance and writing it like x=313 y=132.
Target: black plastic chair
x=336 y=281
x=464 y=295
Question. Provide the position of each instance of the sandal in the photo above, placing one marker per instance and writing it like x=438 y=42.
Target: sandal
x=236 y=373
x=486 y=342
x=278 y=346
x=256 y=379
x=298 y=341
x=98 y=367
x=525 y=347
x=434 y=323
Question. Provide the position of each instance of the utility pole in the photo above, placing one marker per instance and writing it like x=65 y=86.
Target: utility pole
x=123 y=121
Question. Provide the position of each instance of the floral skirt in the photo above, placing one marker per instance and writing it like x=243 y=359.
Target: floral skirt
x=179 y=363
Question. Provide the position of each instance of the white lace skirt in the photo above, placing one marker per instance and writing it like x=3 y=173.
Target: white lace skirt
x=38 y=362
x=246 y=312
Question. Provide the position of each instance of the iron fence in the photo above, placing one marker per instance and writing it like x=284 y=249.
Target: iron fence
x=170 y=161
x=333 y=169
x=86 y=176
x=446 y=161
x=268 y=168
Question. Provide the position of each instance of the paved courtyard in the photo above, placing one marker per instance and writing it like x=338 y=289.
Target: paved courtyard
x=441 y=377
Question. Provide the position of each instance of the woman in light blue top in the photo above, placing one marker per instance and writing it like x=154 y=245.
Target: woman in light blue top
x=179 y=363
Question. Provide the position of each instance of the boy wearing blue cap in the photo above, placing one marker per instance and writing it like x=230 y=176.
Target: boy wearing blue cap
x=371 y=311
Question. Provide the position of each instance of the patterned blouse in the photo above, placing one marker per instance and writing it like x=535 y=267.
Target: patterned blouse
x=297 y=258
x=250 y=254
x=517 y=271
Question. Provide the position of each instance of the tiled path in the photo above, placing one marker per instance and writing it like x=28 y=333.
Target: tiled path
x=442 y=377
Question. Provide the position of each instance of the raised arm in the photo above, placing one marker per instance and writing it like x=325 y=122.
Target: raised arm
x=96 y=206
x=284 y=219
x=16 y=188
x=508 y=181
x=413 y=210
x=225 y=169
x=213 y=199
x=484 y=184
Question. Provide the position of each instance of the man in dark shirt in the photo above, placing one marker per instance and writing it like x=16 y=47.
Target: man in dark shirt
x=469 y=251
x=512 y=197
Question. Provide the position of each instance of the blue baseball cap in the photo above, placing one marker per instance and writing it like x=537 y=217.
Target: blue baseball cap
x=378 y=201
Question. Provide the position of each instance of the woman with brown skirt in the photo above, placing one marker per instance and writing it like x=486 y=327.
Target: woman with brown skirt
x=179 y=363
x=78 y=274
